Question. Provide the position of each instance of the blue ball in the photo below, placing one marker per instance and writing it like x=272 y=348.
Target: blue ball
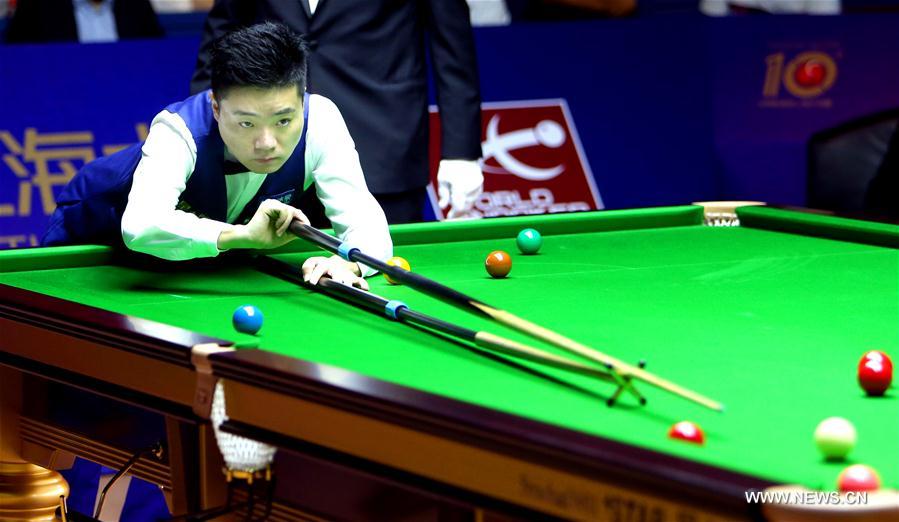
x=247 y=319
x=529 y=241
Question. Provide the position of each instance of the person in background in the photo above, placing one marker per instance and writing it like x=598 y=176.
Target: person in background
x=731 y=7
x=85 y=21
x=504 y=12
x=368 y=56
x=181 y=6
x=536 y=10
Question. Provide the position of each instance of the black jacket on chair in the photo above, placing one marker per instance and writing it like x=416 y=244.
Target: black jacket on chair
x=882 y=198
x=368 y=56
x=36 y=21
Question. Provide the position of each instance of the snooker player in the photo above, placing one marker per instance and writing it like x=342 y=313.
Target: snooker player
x=221 y=169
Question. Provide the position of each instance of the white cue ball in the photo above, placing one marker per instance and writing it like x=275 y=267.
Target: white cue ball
x=835 y=437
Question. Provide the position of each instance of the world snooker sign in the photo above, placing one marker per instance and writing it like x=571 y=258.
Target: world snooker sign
x=532 y=161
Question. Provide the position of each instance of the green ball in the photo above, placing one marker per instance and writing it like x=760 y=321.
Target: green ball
x=835 y=437
x=529 y=241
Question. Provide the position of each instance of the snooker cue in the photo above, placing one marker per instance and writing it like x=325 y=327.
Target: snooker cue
x=403 y=313
x=444 y=293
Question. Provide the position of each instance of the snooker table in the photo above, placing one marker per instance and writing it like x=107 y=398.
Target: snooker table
x=102 y=354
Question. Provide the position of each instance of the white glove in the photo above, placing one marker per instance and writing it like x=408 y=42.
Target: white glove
x=459 y=183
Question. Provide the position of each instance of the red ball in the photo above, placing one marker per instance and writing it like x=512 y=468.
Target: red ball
x=687 y=431
x=498 y=264
x=858 y=477
x=875 y=372
x=810 y=73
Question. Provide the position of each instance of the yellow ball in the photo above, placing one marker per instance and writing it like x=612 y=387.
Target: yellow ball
x=400 y=262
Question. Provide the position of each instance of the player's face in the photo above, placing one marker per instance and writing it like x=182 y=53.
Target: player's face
x=260 y=127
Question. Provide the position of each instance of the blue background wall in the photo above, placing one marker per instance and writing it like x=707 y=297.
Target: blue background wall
x=759 y=142
x=670 y=109
x=639 y=92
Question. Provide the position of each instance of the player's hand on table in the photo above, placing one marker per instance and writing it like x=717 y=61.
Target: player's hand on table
x=268 y=227
x=334 y=267
x=459 y=183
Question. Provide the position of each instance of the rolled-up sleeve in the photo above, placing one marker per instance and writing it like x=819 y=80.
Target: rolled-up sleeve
x=151 y=223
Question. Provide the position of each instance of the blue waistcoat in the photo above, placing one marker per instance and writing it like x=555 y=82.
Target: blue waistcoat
x=90 y=207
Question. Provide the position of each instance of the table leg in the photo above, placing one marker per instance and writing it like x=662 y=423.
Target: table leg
x=198 y=482
x=27 y=491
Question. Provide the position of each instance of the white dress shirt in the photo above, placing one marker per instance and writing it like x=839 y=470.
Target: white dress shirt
x=95 y=22
x=152 y=225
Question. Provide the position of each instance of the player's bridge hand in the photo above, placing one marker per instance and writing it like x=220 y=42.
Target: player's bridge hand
x=268 y=227
x=334 y=267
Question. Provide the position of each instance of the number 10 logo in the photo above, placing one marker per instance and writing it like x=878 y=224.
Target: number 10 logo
x=807 y=75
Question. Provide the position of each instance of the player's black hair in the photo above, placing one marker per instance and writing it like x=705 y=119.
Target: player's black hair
x=265 y=55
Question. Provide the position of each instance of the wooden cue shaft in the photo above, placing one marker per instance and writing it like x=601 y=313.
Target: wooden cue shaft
x=514 y=348
x=501 y=344
x=445 y=293
x=594 y=355
x=481 y=338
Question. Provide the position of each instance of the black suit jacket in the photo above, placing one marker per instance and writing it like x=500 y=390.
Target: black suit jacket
x=54 y=21
x=368 y=56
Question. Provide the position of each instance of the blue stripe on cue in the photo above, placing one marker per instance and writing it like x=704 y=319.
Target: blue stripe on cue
x=392 y=308
x=345 y=250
